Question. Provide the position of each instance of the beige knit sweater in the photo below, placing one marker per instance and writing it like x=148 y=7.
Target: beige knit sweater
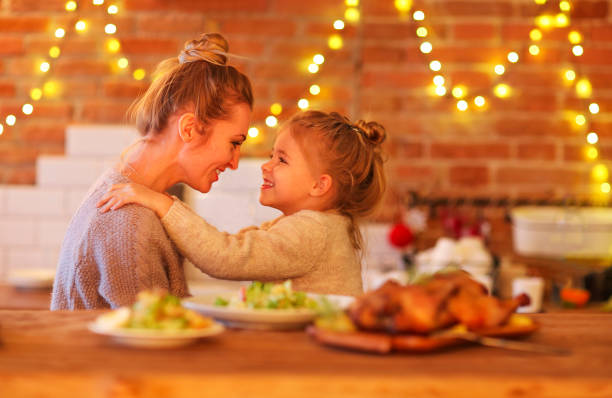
x=106 y=259
x=311 y=248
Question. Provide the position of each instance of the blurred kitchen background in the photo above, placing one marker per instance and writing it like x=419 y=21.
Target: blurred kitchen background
x=490 y=106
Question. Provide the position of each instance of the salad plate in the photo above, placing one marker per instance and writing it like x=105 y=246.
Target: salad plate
x=151 y=338
x=258 y=318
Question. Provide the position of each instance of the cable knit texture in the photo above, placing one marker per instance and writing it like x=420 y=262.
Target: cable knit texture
x=311 y=248
x=106 y=259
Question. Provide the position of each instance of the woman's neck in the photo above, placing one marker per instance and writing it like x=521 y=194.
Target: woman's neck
x=151 y=164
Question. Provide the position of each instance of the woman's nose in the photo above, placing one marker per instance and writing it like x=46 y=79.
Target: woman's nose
x=235 y=160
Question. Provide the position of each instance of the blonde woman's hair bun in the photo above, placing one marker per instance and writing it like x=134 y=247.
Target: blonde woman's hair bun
x=374 y=132
x=209 y=47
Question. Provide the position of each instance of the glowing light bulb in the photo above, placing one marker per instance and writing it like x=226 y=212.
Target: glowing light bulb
x=80 y=26
x=44 y=67
x=1 y=129
x=592 y=138
x=314 y=89
x=605 y=187
x=458 y=91
x=313 y=68
x=276 y=108
x=569 y=75
x=565 y=6
x=110 y=29
x=513 y=57
x=583 y=88
x=71 y=6
x=338 y=24
x=600 y=172
x=271 y=121
x=435 y=66
x=540 y=2
x=253 y=132
x=403 y=6
x=535 y=34
x=574 y=37
x=303 y=104
x=500 y=69
x=139 y=74
x=351 y=3
x=561 y=20
x=422 y=32
x=36 y=94
x=502 y=90
x=580 y=120
x=438 y=80
x=98 y=2
x=426 y=47
x=113 y=45
x=462 y=105
x=60 y=32
x=440 y=91
x=122 y=63
x=51 y=89
x=594 y=108
x=479 y=101
x=534 y=50
x=418 y=15
x=27 y=109
x=10 y=120
x=318 y=59
x=544 y=21
x=577 y=50
x=335 y=42
x=113 y=9
x=351 y=14
x=591 y=153
x=54 y=52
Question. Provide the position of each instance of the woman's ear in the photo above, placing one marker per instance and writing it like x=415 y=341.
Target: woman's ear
x=322 y=185
x=187 y=126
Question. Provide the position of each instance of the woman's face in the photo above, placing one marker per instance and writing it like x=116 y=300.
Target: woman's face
x=208 y=155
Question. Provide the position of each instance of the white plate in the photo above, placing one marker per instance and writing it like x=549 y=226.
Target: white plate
x=157 y=338
x=259 y=319
x=31 y=278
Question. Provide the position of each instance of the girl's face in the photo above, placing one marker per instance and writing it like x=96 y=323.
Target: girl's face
x=209 y=155
x=287 y=177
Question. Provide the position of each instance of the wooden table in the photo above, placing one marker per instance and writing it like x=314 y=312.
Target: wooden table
x=15 y=298
x=45 y=353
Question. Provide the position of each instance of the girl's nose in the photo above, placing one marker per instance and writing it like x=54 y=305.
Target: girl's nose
x=266 y=166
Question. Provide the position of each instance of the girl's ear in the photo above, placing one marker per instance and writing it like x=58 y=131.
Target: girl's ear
x=322 y=185
x=187 y=126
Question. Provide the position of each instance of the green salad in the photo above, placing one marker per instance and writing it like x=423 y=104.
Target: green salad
x=259 y=295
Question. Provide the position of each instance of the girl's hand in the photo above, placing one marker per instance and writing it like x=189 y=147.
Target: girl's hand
x=120 y=195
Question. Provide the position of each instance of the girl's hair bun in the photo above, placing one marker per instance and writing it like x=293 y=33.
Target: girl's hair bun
x=374 y=132
x=209 y=47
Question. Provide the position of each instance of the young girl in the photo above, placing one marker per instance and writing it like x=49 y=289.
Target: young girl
x=324 y=174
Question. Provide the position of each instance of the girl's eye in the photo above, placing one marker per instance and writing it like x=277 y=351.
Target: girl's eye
x=236 y=144
x=282 y=160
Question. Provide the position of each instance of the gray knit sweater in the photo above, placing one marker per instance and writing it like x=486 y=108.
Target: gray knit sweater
x=311 y=248
x=106 y=259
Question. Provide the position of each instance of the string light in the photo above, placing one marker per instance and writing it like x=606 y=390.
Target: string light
x=500 y=69
x=110 y=29
x=112 y=10
x=422 y=32
x=479 y=101
x=403 y=6
x=71 y=6
x=565 y=6
x=351 y=3
x=80 y=26
x=271 y=121
x=98 y=2
x=44 y=67
x=139 y=74
x=54 y=52
x=418 y=15
x=569 y=75
x=574 y=37
x=253 y=132
x=313 y=68
x=426 y=47
x=535 y=35
x=577 y=50
x=458 y=91
x=534 y=50
x=338 y=24
x=592 y=153
x=583 y=88
x=1 y=129
x=60 y=32
x=276 y=109
x=594 y=108
x=27 y=109
x=435 y=66
x=113 y=45
x=122 y=63
x=314 y=89
x=10 y=120
x=36 y=94
x=462 y=105
x=303 y=104
x=600 y=172
x=502 y=90
x=592 y=138
x=605 y=187
x=352 y=15
x=513 y=57
x=440 y=91
x=438 y=80
x=318 y=59
x=335 y=42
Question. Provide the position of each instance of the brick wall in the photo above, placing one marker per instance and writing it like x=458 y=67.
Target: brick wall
x=526 y=145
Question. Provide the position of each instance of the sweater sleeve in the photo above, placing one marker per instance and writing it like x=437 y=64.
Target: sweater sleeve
x=288 y=248
x=128 y=259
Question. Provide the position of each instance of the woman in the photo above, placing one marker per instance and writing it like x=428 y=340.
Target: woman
x=194 y=117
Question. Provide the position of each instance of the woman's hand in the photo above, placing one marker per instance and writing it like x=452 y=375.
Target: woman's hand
x=120 y=195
